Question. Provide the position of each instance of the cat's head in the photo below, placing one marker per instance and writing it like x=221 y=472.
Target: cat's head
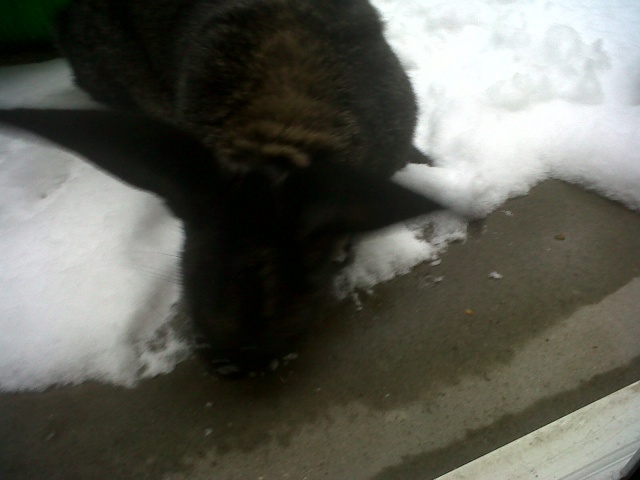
x=259 y=254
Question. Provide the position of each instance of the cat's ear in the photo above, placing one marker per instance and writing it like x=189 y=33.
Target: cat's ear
x=143 y=152
x=332 y=199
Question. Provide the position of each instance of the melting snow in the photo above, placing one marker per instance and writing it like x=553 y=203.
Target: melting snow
x=511 y=93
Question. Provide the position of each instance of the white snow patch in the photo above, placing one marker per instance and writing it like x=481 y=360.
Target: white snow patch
x=87 y=287
x=510 y=93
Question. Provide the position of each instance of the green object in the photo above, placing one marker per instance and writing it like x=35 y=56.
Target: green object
x=28 y=21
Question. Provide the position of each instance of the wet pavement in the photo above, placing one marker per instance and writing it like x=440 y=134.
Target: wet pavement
x=427 y=376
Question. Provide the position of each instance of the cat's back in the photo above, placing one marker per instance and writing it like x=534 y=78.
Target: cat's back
x=312 y=74
x=255 y=79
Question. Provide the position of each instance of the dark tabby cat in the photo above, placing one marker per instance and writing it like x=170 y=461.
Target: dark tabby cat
x=307 y=111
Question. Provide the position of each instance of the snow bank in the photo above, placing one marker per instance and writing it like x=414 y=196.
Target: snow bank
x=510 y=92
x=87 y=264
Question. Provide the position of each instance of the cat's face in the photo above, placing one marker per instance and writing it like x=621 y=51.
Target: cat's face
x=251 y=300
x=253 y=278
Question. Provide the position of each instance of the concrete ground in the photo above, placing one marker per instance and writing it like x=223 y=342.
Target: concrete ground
x=426 y=377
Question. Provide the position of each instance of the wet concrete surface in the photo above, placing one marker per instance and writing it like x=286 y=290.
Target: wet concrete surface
x=427 y=376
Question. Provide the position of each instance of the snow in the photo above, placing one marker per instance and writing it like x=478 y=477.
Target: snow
x=86 y=283
x=511 y=92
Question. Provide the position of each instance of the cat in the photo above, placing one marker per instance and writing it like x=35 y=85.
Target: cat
x=306 y=112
